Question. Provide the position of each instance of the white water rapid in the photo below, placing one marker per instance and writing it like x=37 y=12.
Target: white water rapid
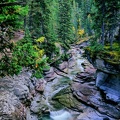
x=61 y=115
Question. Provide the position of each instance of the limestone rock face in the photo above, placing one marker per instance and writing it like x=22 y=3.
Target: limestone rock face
x=101 y=77
x=87 y=92
x=25 y=98
x=92 y=97
x=107 y=78
x=10 y=107
x=104 y=66
x=35 y=104
x=30 y=116
x=15 y=94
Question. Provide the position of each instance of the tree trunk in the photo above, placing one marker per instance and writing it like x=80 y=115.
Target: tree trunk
x=103 y=24
x=119 y=34
x=111 y=36
x=103 y=30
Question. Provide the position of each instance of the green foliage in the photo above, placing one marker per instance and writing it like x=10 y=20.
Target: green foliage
x=65 y=33
x=28 y=56
x=111 y=56
x=10 y=15
x=106 y=16
x=96 y=47
x=84 y=17
x=41 y=65
x=53 y=21
x=65 y=57
x=116 y=47
x=42 y=21
x=25 y=54
x=11 y=18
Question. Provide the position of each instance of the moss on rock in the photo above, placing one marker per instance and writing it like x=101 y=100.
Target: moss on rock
x=65 y=98
x=110 y=55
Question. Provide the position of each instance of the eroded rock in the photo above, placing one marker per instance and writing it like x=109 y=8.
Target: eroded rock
x=107 y=78
x=21 y=91
x=39 y=105
x=10 y=107
x=101 y=78
x=40 y=85
x=65 y=98
x=91 y=96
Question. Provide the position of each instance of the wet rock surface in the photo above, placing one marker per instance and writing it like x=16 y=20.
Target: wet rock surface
x=107 y=78
x=72 y=86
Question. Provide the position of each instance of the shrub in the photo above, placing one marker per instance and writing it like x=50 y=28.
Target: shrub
x=25 y=54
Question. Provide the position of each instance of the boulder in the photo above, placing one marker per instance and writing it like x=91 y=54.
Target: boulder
x=40 y=85
x=21 y=91
x=31 y=116
x=64 y=98
x=91 y=114
x=15 y=93
x=101 y=78
x=104 y=66
x=89 y=95
x=39 y=104
x=50 y=75
x=63 y=65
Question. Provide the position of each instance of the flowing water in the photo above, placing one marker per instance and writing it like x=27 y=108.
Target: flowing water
x=51 y=90
x=58 y=115
x=61 y=81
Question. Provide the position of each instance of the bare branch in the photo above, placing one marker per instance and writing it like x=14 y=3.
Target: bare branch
x=12 y=4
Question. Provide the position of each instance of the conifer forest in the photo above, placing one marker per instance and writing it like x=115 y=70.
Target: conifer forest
x=38 y=35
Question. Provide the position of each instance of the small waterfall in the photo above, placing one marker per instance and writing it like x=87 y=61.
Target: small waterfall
x=80 y=67
x=48 y=104
x=61 y=115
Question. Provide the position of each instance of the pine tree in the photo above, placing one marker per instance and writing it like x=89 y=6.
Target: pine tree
x=42 y=22
x=85 y=15
x=11 y=19
x=75 y=19
x=106 y=19
x=65 y=33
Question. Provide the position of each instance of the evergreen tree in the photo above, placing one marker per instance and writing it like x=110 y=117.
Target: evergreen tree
x=65 y=33
x=85 y=15
x=35 y=19
x=106 y=19
x=42 y=22
x=75 y=19
x=11 y=19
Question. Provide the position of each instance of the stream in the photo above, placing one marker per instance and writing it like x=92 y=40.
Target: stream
x=67 y=93
x=62 y=81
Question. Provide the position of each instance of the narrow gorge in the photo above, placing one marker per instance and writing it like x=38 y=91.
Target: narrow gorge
x=67 y=93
